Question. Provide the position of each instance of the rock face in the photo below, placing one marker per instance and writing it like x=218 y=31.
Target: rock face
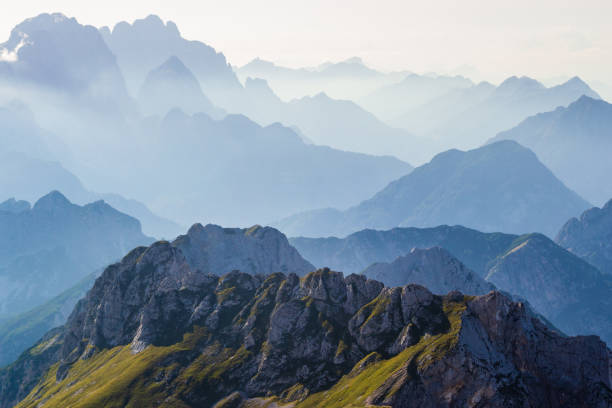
x=154 y=331
x=47 y=249
x=574 y=142
x=565 y=289
x=571 y=293
x=210 y=250
x=590 y=237
x=256 y=250
x=359 y=250
x=498 y=187
x=435 y=268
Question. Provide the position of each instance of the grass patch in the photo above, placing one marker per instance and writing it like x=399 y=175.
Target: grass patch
x=354 y=388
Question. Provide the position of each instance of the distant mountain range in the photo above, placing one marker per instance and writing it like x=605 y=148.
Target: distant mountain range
x=392 y=100
x=359 y=250
x=34 y=44
x=435 y=268
x=147 y=43
x=575 y=143
x=210 y=249
x=173 y=85
x=349 y=79
x=572 y=294
x=274 y=171
x=467 y=117
x=20 y=332
x=30 y=178
x=48 y=248
x=499 y=187
x=590 y=237
x=565 y=289
x=341 y=124
x=227 y=163
x=153 y=329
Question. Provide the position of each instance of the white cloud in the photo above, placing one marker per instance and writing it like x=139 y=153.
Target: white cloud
x=7 y=55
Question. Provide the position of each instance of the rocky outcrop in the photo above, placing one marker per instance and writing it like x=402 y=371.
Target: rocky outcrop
x=566 y=290
x=434 y=268
x=572 y=294
x=256 y=250
x=590 y=237
x=154 y=331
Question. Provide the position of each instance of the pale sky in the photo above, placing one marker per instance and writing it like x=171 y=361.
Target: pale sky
x=543 y=39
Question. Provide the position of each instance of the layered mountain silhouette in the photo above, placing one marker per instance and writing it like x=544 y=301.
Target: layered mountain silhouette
x=341 y=124
x=173 y=85
x=20 y=332
x=210 y=249
x=154 y=330
x=65 y=73
x=349 y=79
x=499 y=187
x=480 y=112
x=590 y=237
x=392 y=100
x=30 y=178
x=147 y=43
x=21 y=133
x=357 y=251
x=435 y=268
x=48 y=248
x=574 y=142
x=568 y=291
x=46 y=53
x=200 y=169
x=565 y=289
x=276 y=175
x=14 y=206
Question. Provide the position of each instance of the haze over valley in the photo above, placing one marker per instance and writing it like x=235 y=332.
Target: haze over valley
x=285 y=212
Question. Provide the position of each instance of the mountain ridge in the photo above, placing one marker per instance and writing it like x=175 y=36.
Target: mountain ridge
x=268 y=316
x=498 y=187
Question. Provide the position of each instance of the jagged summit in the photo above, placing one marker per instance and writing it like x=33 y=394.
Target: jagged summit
x=322 y=340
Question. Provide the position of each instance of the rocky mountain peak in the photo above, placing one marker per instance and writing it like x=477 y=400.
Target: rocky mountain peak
x=211 y=249
x=314 y=341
